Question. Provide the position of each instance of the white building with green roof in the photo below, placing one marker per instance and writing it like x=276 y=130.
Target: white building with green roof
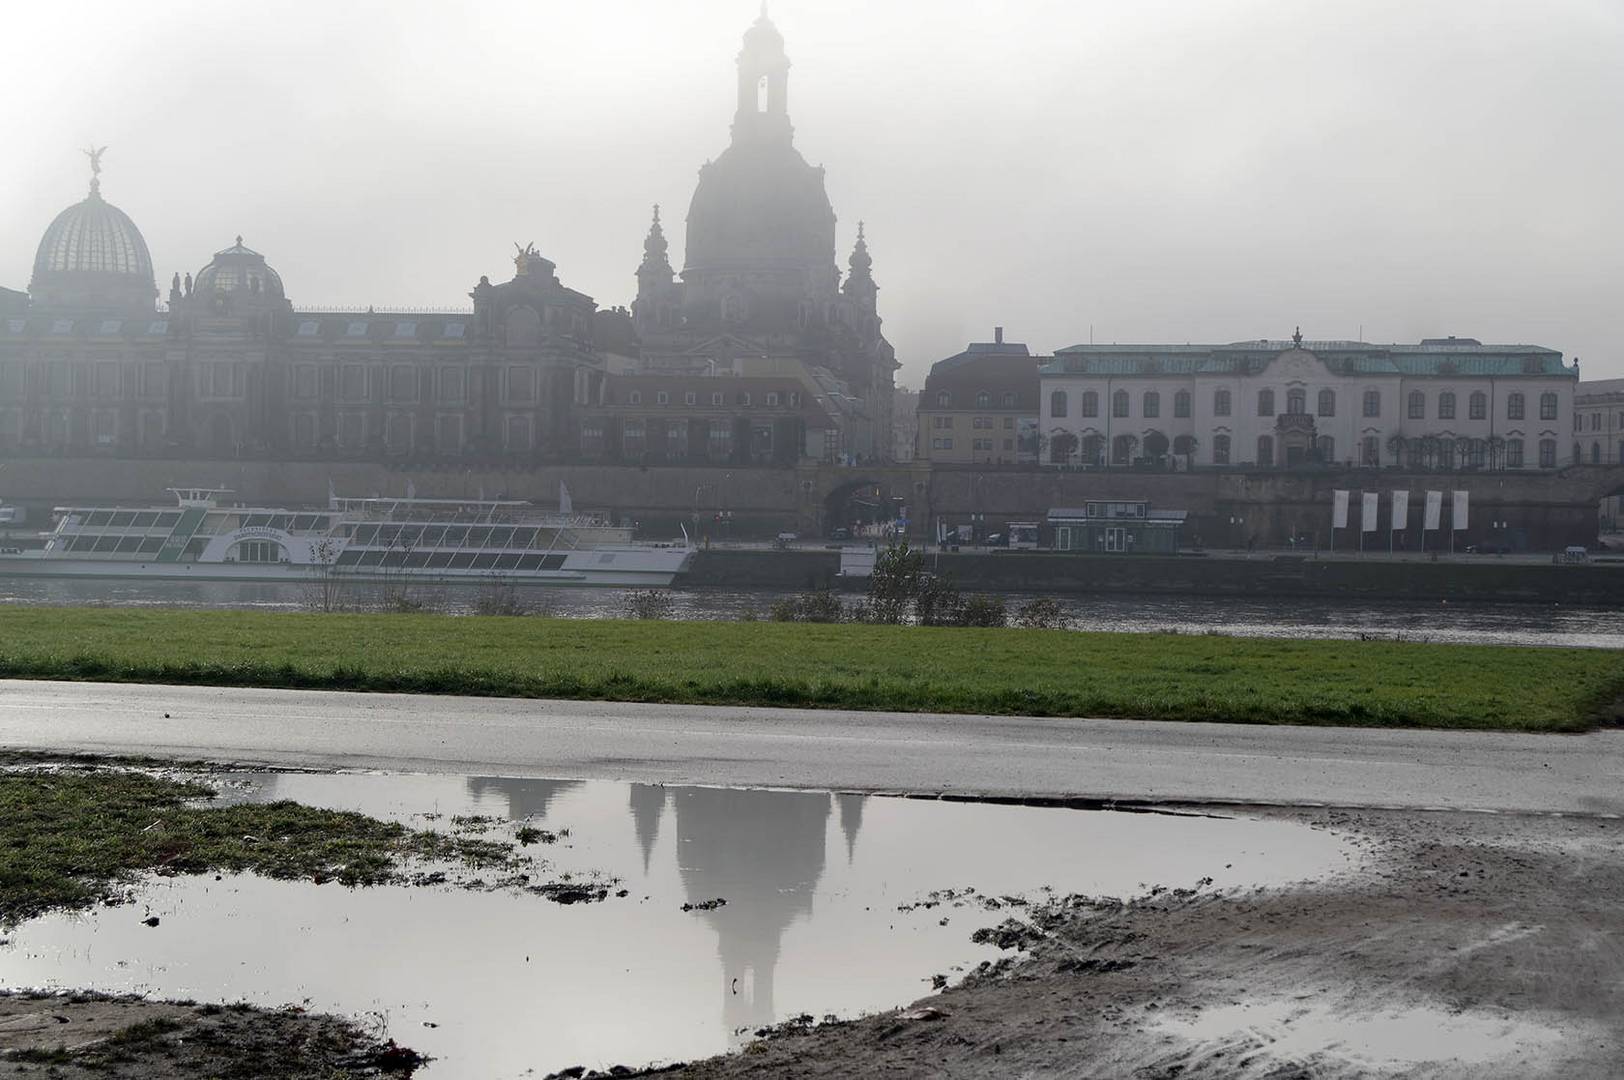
x=1445 y=404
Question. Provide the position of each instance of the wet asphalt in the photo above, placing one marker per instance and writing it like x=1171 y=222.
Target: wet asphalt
x=1126 y=760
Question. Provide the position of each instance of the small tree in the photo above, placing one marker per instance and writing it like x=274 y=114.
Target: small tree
x=1062 y=445
x=899 y=573
x=326 y=589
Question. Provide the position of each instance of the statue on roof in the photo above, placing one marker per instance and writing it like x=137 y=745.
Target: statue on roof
x=521 y=261
x=1297 y=338
x=94 y=153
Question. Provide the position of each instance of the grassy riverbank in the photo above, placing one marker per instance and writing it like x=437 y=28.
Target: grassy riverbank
x=1025 y=672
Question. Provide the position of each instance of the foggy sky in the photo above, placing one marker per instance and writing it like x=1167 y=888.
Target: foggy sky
x=1165 y=170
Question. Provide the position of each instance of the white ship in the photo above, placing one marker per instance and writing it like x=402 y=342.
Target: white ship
x=204 y=537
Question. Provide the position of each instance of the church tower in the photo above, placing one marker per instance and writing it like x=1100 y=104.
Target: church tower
x=760 y=283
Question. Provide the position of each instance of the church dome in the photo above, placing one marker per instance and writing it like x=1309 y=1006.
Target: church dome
x=239 y=269
x=759 y=206
x=93 y=256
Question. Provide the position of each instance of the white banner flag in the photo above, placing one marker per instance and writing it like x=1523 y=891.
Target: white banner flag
x=1367 y=514
x=1401 y=510
x=1339 y=509
x=1435 y=505
x=1457 y=513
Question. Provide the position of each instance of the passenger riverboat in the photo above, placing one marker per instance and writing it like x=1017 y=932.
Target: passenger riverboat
x=203 y=536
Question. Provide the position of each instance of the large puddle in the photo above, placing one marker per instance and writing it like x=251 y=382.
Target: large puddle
x=495 y=984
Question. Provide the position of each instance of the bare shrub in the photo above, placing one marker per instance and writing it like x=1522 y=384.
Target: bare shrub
x=812 y=607
x=648 y=604
x=499 y=597
x=982 y=611
x=1042 y=614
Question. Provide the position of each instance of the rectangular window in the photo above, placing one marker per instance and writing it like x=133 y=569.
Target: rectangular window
x=1547 y=406
x=690 y=398
x=1514 y=453
x=352 y=382
x=453 y=385
x=721 y=440
x=1373 y=402
x=352 y=430
x=716 y=399
x=402 y=383
x=521 y=386
x=106 y=379
x=1547 y=453
x=304 y=382
x=448 y=433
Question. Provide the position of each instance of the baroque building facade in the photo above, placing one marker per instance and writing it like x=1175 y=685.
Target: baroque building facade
x=1445 y=404
x=792 y=360
x=760 y=292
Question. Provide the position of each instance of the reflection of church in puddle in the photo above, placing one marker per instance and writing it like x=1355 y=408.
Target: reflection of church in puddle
x=763 y=851
x=525 y=798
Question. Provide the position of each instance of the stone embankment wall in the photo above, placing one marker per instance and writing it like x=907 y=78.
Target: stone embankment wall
x=1545 y=510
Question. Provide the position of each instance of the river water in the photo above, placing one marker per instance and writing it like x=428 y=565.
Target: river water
x=1500 y=624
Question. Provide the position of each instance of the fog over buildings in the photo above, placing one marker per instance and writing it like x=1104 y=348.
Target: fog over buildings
x=1163 y=171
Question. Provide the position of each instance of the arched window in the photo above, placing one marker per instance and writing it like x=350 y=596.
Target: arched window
x=1296 y=401
x=1327 y=403
x=1265 y=450
x=1009 y=399
x=1547 y=453
x=1514 y=453
x=983 y=400
x=1372 y=457
x=1325 y=446
x=943 y=399
x=1595 y=453
x=1220 y=449
x=1122 y=449
x=1547 y=406
x=1181 y=404
x=1119 y=403
x=1418 y=405
x=1153 y=403
x=1514 y=407
x=1446 y=455
x=1446 y=405
x=1477 y=406
x=1220 y=403
x=1091 y=403
x=1265 y=402
x=1057 y=403
x=1093 y=449
x=1373 y=402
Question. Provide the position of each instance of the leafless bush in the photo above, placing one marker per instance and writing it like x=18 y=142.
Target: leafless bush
x=812 y=607
x=1041 y=614
x=648 y=604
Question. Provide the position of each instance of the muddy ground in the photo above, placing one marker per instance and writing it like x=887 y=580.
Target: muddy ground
x=78 y=1037
x=1496 y=921
x=1497 y=937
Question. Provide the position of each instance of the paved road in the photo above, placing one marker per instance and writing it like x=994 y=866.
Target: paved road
x=1123 y=759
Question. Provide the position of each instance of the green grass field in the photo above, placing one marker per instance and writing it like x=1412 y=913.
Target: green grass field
x=1024 y=672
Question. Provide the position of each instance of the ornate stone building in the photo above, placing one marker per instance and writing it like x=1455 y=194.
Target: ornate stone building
x=760 y=292
x=232 y=368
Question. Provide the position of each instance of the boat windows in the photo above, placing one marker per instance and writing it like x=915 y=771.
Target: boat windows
x=98 y=518
x=393 y=558
x=507 y=562
x=484 y=562
x=416 y=559
x=456 y=537
x=151 y=545
x=439 y=560
x=462 y=560
x=258 y=551
x=195 y=546
x=129 y=545
x=552 y=562
x=348 y=558
x=366 y=534
x=168 y=521
x=144 y=521
x=121 y=520
x=106 y=543
x=523 y=538
x=478 y=537
x=500 y=538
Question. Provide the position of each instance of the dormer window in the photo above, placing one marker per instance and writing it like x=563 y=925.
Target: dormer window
x=662 y=398
x=635 y=397
x=772 y=399
x=943 y=399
